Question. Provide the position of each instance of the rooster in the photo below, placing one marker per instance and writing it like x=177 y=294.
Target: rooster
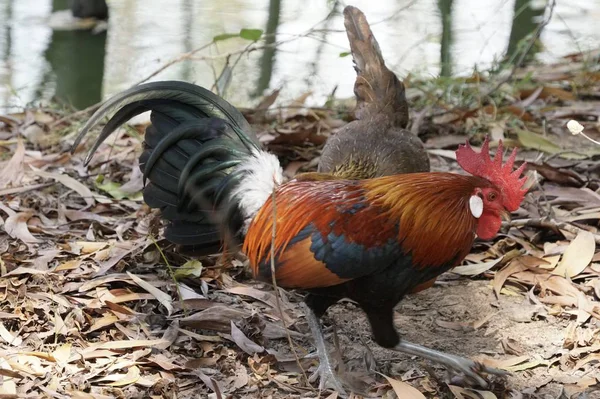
x=372 y=240
x=377 y=143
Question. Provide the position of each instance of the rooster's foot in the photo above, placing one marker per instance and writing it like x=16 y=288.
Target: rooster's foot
x=472 y=370
x=326 y=371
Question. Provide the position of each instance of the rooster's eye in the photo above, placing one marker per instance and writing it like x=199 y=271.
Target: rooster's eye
x=491 y=196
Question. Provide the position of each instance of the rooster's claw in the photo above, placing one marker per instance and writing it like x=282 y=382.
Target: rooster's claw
x=472 y=370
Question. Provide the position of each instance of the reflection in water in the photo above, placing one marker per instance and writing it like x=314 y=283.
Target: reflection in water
x=76 y=61
x=267 y=59
x=445 y=7
x=430 y=37
x=524 y=24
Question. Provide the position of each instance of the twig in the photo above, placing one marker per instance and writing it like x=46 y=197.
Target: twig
x=551 y=224
x=174 y=61
x=23 y=189
x=536 y=35
x=172 y=275
x=277 y=293
x=75 y=115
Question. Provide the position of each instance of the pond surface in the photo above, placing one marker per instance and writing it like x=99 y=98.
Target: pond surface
x=80 y=67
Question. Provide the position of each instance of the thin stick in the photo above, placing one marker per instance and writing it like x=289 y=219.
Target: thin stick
x=538 y=32
x=277 y=293
x=551 y=224
x=550 y=7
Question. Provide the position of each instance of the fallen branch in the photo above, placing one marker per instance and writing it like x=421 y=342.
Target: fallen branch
x=550 y=224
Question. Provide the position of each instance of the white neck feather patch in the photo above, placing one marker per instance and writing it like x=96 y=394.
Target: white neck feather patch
x=476 y=206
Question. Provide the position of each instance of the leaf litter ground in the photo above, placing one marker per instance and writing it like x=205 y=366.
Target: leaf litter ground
x=95 y=304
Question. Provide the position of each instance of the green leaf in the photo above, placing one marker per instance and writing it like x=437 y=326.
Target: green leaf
x=225 y=36
x=251 y=34
x=536 y=142
x=345 y=54
x=191 y=268
x=114 y=189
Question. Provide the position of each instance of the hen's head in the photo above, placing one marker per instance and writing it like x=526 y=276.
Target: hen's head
x=504 y=193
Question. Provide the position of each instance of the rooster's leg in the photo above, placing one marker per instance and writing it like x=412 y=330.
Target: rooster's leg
x=470 y=368
x=326 y=370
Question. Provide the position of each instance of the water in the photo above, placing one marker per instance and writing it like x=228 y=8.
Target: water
x=428 y=37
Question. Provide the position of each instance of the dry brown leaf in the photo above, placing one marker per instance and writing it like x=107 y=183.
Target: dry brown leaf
x=8 y=389
x=62 y=354
x=215 y=318
x=68 y=265
x=263 y=296
x=88 y=247
x=124 y=344
x=454 y=325
x=105 y=321
x=245 y=343
x=551 y=262
x=16 y=226
x=570 y=335
x=170 y=335
x=404 y=390
x=593 y=357
x=68 y=182
x=463 y=393
x=504 y=363
x=201 y=337
x=164 y=298
x=60 y=328
x=479 y=323
x=500 y=278
x=577 y=255
x=102 y=280
x=120 y=380
x=24 y=270
x=476 y=268
x=8 y=337
x=164 y=362
x=11 y=172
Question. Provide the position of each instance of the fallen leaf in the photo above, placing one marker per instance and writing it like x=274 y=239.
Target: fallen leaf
x=12 y=171
x=463 y=393
x=16 y=225
x=404 y=390
x=245 y=344
x=88 y=247
x=594 y=357
x=504 y=363
x=537 y=142
x=161 y=296
x=8 y=337
x=68 y=265
x=123 y=344
x=62 y=354
x=104 y=321
x=577 y=256
x=132 y=376
x=68 y=182
x=191 y=268
x=476 y=268
x=501 y=276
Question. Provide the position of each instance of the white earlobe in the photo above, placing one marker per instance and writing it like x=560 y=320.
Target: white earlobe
x=476 y=206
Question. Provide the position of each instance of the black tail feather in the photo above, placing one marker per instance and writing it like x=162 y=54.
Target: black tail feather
x=191 y=150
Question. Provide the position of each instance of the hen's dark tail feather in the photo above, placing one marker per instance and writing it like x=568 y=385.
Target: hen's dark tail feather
x=377 y=89
x=194 y=142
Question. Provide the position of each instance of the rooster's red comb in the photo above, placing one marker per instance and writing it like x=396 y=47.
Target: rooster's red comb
x=508 y=181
